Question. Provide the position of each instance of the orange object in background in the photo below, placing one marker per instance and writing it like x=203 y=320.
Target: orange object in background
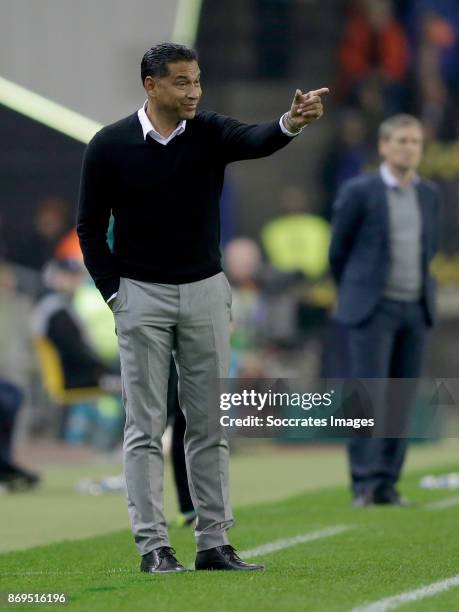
x=357 y=50
x=69 y=247
x=374 y=42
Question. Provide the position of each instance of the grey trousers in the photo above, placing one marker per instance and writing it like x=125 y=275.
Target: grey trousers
x=191 y=322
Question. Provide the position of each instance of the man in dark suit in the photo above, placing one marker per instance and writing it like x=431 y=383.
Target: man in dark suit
x=385 y=234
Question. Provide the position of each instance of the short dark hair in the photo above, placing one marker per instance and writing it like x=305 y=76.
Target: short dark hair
x=395 y=122
x=155 y=61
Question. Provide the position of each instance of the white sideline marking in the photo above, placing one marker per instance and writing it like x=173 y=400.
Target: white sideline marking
x=448 y=502
x=303 y=538
x=266 y=549
x=270 y=547
x=391 y=603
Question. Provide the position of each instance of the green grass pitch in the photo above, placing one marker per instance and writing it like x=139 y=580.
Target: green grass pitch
x=387 y=551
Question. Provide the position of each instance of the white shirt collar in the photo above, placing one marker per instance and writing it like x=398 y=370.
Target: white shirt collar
x=148 y=128
x=389 y=179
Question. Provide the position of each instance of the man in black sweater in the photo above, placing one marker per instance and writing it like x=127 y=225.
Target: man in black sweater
x=160 y=173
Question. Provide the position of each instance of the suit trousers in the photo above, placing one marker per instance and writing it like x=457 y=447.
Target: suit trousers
x=390 y=344
x=189 y=321
x=11 y=398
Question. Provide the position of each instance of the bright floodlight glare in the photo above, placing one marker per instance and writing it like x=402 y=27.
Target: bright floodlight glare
x=69 y=122
x=47 y=112
x=186 y=22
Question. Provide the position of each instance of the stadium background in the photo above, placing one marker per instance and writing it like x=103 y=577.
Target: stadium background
x=67 y=67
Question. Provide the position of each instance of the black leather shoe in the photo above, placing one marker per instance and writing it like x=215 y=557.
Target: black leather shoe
x=390 y=497
x=363 y=500
x=223 y=558
x=17 y=479
x=161 y=561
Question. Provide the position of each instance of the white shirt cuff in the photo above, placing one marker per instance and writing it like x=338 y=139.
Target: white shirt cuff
x=112 y=297
x=285 y=130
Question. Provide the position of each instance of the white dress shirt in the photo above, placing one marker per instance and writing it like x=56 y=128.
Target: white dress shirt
x=389 y=179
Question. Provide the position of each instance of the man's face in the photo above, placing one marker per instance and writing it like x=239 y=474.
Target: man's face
x=403 y=148
x=178 y=93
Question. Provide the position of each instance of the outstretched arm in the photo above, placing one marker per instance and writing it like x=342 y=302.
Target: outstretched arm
x=241 y=141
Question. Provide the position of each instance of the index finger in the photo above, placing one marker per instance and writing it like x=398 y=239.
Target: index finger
x=320 y=92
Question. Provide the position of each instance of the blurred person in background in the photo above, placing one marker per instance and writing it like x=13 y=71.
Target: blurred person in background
x=264 y=313
x=438 y=68
x=385 y=234
x=14 y=278
x=242 y=257
x=99 y=420
x=164 y=283
x=12 y=476
x=16 y=360
x=35 y=248
x=439 y=24
x=374 y=45
x=297 y=240
x=55 y=318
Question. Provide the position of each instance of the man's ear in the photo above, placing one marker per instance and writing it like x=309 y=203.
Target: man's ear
x=150 y=86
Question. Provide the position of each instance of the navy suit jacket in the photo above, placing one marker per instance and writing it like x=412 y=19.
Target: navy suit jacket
x=360 y=249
